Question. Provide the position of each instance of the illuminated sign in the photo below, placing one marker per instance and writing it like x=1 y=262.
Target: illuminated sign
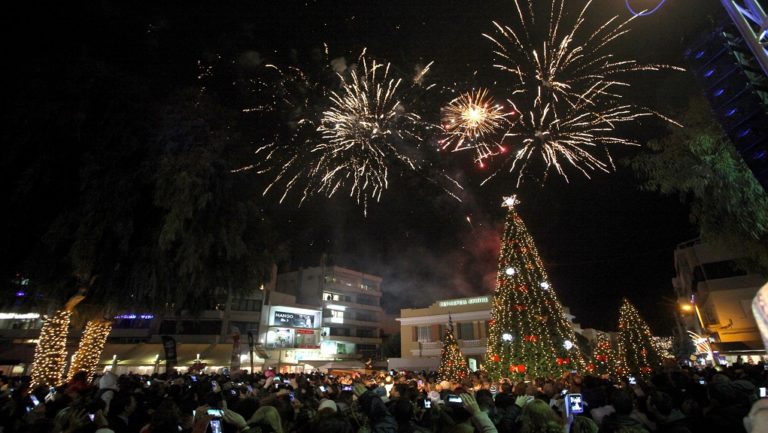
x=135 y=316
x=19 y=316
x=464 y=301
x=284 y=318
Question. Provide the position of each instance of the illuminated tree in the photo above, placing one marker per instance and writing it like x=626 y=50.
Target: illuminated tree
x=51 y=350
x=637 y=347
x=606 y=359
x=90 y=348
x=453 y=366
x=529 y=333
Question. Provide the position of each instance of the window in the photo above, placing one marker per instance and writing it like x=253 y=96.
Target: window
x=191 y=327
x=341 y=332
x=368 y=350
x=246 y=304
x=368 y=285
x=337 y=316
x=365 y=317
x=466 y=331
x=425 y=334
x=367 y=300
x=244 y=327
x=331 y=296
x=366 y=333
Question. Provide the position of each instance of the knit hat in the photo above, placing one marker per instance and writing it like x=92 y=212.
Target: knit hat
x=327 y=404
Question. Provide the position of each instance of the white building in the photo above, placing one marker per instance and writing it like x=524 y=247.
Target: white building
x=351 y=308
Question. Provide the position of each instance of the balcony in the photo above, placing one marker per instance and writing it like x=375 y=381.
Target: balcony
x=357 y=340
x=333 y=321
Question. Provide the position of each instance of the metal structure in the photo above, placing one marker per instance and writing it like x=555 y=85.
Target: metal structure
x=751 y=21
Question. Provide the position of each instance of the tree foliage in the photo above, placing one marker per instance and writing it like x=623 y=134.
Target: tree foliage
x=701 y=165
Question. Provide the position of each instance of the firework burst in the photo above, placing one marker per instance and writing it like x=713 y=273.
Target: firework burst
x=474 y=121
x=567 y=85
x=351 y=137
x=366 y=130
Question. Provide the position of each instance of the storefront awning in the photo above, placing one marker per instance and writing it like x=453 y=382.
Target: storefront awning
x=738 y=347
x=186 y=354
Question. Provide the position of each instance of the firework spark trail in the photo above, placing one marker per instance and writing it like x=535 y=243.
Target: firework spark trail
x=568 y=87
x=365 y=129
x=349 y=138
x=473 y=121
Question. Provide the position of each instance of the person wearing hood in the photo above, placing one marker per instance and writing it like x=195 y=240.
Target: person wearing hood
x=668 y=418
x=622 y=417
x=381 y=421
x=727 y=407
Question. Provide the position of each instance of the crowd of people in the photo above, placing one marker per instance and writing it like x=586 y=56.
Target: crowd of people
x=673 y=400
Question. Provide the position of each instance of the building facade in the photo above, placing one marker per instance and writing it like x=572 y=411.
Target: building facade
x=351 y=308
x=422 y=329
x=715 y=296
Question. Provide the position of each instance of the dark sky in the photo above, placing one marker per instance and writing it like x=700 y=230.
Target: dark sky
x=600 y=239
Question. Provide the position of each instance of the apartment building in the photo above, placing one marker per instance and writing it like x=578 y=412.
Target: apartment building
x=351 y=308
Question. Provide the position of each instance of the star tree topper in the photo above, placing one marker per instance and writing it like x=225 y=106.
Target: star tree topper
x=510 y=201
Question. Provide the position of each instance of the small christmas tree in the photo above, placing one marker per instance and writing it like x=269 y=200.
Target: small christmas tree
x=637 y=347
x=528 y=333
x=453 y=366
x=606 y=359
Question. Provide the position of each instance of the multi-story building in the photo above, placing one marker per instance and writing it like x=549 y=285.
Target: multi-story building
x=136 y=340
x=715 y=297
x=351 y=305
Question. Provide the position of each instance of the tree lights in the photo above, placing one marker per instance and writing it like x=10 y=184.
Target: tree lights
x=606 y=360
x=453 y=366
x=90 y=348
x=51 y=352
x=636 y=344
x=528 y=330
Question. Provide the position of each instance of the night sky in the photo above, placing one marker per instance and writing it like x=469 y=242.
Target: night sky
x=600 y=239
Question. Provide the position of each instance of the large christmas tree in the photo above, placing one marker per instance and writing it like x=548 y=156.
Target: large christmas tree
x=636 y=344
x=529 y=333
x=453 y=366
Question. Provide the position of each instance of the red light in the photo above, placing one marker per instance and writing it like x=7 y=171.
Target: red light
x=503 y=149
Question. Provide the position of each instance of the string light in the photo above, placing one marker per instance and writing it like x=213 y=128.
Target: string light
x=606 y=359
x=524 y=307
x=51 y=350
x=91 y=346
x=453 y=366
x=636 y=344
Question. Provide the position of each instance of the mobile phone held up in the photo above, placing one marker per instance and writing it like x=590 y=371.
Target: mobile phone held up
x=346 y=387
x=216 y=413
x=632 y=380
x=427 y=403
x=215 y=426
x=763 y=392
x=574 y=405
x=454 y=400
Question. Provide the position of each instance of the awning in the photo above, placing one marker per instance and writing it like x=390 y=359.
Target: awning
x=336 y=365
x=17 y=354
x=738 y=347
x=186 y=354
